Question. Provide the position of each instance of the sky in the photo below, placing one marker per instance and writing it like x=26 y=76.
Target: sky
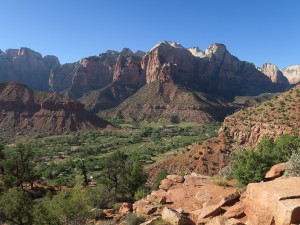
x=257 y=31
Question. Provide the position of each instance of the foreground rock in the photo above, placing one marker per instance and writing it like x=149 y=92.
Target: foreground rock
x=275 y=202
x=175 y=218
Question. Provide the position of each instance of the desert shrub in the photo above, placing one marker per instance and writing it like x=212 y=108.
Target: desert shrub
x=226 y=172
x=219 y=180
x=292 y=168
x=250 y=166
x=133 y=219
x=160 y=176
x=101 y=197
x=140 y=193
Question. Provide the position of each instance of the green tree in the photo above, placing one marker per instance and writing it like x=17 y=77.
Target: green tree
x=19 y=167
x=68 y=207
x=122 y=174
x=16 y=207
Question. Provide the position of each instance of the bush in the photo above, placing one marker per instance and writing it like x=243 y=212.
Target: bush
x=133 y=219
x=219 y=180
x=141 y=193
x=251 y=166
x=226 y=172
x=160 y=176
x=292 y=168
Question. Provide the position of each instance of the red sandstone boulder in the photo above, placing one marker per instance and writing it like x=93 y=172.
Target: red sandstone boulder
x=126 y=208
x=176 y=178
x=275 y=202
x=276 y=171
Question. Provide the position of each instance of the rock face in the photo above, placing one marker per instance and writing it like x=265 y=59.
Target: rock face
x=275 y=75
x=292 y=73
x=27 y=66
x=214 y=70
x=96 y=72
x=27 y=112
x=194 y=85
x=275 y=202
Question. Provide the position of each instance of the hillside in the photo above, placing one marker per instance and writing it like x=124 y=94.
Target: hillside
x=243 y=129
x=161 y=101
x=34 y=113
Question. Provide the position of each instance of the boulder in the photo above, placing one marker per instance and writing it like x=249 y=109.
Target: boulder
x=275 y=171
x=274 y=202
x=174 y=217
x=126 y=208
x=236 y=211
x=143 y=207
x=220 y=220
x=176 y=178
x=166 y=184
x=209 y=211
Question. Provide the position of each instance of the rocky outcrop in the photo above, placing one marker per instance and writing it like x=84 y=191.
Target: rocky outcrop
x=27 y=66
x=128 y=72
x=34 y=113
x=168 y=60
x=275 y=202
x=292 y=73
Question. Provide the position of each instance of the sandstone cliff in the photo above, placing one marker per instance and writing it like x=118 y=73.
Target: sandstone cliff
x=27 y=66
x=292 y=73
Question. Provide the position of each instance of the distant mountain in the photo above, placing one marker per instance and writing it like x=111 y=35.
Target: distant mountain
x=105 y=81
x=194 y=85
x=35 y=113
x=292 y=73
x=27 y=66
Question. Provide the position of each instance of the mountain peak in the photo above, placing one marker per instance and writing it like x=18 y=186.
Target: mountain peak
x=126 y=51
x=168 y=43
x=216 y=49
x=197 y=52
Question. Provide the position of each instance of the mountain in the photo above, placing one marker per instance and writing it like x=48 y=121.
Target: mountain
x=161 y=101
x=97 y=72
x=292 y=73
x=241 y=130
x=194 y=85
x=27 y=66
x=105 y=81
x=36 y=113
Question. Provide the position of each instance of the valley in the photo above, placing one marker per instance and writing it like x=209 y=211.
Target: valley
x=172 y=134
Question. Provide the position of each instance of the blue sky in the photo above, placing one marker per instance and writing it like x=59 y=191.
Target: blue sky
x=258 y=31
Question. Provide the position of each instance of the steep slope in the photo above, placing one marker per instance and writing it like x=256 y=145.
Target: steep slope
x=27 y=66
x=243 y=129
x=107 y=97
x=163 y=100
x=271 y=118
x=28 y=112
